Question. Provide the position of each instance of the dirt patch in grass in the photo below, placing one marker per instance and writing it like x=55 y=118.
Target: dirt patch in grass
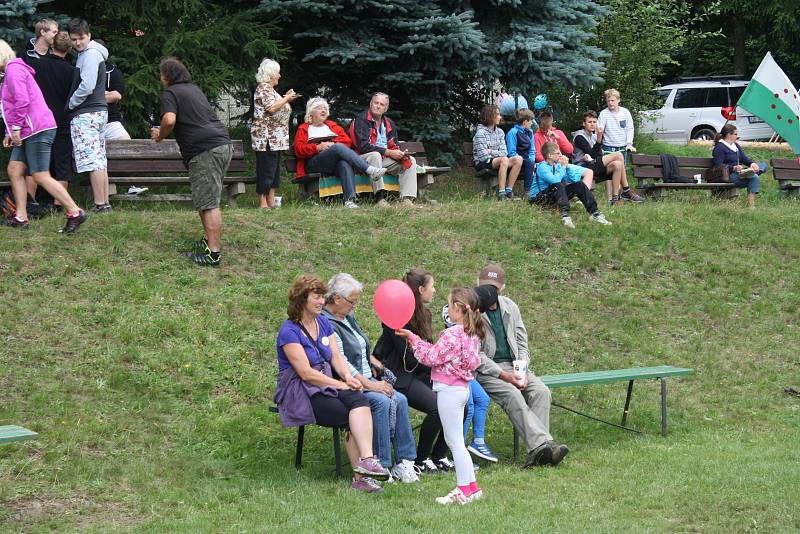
x=79 y=511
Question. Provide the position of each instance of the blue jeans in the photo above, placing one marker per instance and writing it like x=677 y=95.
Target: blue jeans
x=342 y=162
x=404 y=446
x=477 y=408
x=753 y=184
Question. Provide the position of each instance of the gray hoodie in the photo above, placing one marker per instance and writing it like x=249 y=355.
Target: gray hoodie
x=89 y=90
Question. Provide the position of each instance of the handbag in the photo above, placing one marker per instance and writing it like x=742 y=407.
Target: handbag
x=718 y=174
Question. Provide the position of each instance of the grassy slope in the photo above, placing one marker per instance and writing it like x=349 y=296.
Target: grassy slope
x=149 y=379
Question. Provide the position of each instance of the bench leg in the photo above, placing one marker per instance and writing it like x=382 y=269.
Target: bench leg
x=298 y=453
x=337 y=451
x=516 y=444
x=732 y=192
x=663 y=406
x=232 y=191
x=627 y=403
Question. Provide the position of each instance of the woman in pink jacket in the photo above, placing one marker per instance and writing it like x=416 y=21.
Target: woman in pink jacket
x=30 y=130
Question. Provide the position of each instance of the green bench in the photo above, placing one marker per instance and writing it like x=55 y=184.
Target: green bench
x=660 y=373
x=9 y=433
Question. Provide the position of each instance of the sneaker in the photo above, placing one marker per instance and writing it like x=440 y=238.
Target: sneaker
x=599 y=218
x=454 y=497
x=476 y=496
x=371 y=468
x=404 y=472
x=136 y=190
x=74 y=222
x=349 y=204
x=567 y=220
x=558 y=453
x=616 y=202
x=102 y=208
x=366 y=485
x=482 y=451
x=502 y=195
x=445 y=464
x=408 y=201
x=426 y=466
x=375 y=173
x=382 y=203
x=541 y=455
x=16 y=223
x=631 y=195
x=206 y=259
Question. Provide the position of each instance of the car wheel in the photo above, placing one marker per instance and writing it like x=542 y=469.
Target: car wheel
x=704 y=134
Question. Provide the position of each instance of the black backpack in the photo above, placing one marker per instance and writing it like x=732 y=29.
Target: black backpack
x=8 y=207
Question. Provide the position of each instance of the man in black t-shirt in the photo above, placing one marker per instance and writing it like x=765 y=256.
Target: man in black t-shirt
x=206 y=148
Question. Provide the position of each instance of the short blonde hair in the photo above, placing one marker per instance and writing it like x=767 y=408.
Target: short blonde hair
x=313 y=103
x=6 y=53
x=43 y=25
x=268 y=69
x=611 y=92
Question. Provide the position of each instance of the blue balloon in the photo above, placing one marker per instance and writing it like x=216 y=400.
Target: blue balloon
x=540 y=101
x=507 y=102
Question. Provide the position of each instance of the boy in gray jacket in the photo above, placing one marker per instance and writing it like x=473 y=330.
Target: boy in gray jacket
x=89 y=112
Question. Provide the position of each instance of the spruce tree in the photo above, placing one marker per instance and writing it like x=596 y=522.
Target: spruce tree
x=16 y=20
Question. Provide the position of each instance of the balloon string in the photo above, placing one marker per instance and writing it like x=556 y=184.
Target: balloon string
x=405 y=365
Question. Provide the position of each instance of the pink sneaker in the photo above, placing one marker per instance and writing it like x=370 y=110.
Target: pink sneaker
x=366 y=485
x=454 y=497
x=372 y=468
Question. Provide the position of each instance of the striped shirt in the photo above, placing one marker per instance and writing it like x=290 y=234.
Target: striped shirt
x=617 y=127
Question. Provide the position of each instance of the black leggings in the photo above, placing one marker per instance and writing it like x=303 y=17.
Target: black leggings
x=559 y=194
x=421 y=397
x=268 y=171
x=335 y=411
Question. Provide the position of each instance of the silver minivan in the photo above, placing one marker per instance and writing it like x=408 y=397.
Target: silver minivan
x=699 y=108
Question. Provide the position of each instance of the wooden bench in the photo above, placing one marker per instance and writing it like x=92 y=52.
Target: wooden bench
x=485 y=180
x=144 y=162
x=787 y=172
x=298 y=454
x=9 y=433
x=647 y=169
x=660 y=373
x=315 y=185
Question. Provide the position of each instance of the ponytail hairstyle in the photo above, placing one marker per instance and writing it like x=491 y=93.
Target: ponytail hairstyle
x=724 y=132
x=421 y=322
x=467 y=302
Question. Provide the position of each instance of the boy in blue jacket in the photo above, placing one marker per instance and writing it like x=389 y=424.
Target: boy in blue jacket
x=557 y=181
x=519 y=142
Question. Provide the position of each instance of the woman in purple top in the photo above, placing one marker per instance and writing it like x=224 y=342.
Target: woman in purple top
x=307 y=392
x=30 y=131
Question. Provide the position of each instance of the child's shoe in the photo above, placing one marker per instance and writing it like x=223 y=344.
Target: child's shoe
x=476 y=496
x=567 y=220
x=445 y=464
x=598 y=217
x=481 y=450
x=426 y=467
x=454 y=497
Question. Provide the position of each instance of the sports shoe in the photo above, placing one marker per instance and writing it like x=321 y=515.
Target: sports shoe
x=136 y=190
x=102 y=208
x=631 y=195
x=372 y=468
x=382 y=203
x=502 y=195
x=454 y=497
x=567 y=220
x=16 y=223
x=426 y=466
x=206 y=259
x=366 y=485
x=404 y=472
x=375 y=173
x=349 y=204
x=199 y=246
x=616 y=202
x=482 y=451
x=541 y=455
x=599 y=218
x=476 y=496
x=408 y=201
x=445 y=464
x=558 y=452
x=74 y=222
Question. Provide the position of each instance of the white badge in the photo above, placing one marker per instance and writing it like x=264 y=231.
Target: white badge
x=326 y=341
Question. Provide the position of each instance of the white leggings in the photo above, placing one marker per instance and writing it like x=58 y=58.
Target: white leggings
x=451 y=401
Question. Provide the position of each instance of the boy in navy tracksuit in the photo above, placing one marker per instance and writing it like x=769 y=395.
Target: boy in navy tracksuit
x=519 y=142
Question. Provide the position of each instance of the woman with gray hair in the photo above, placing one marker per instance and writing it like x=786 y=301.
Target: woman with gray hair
x=322 y=146
x=390 y=421
x=269 y=130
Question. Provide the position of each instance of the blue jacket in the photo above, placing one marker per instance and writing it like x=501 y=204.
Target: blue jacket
x=547 y=175
x=724 y=155
x=519 y=141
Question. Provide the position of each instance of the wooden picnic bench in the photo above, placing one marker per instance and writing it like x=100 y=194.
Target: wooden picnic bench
x=316 y=185
x=787 y=173
x=485 y=180
x=647 y=170
x=143 y=162
x=9 y=433
x=660 y=373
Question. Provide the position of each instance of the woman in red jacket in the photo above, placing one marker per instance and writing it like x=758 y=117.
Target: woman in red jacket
x=322 y=146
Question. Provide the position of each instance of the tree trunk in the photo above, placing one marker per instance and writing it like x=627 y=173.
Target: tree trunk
x=739 y=35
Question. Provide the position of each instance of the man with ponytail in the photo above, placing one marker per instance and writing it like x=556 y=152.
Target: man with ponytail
x=526 y=402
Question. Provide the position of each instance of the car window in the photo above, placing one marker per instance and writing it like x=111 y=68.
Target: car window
x=661 y=96
x=736 y=93
x=717 y=97
x=690 y=98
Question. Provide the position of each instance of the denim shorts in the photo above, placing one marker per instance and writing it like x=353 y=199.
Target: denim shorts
x=35 y=151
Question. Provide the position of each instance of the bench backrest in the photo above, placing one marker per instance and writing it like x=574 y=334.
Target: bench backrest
x=142 y=156
x=785 y=169
x=648 y=166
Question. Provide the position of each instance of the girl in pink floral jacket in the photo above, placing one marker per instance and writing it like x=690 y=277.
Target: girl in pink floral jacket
x=452 y=360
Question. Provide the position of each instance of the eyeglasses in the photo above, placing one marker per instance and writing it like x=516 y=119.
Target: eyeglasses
x=352 y=303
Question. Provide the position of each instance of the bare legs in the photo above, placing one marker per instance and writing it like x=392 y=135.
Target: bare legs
x=16 y=172
x=508 y=170
x=212 y=225
x=358 y=443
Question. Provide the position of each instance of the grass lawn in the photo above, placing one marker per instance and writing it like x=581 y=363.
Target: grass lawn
x=149 y=379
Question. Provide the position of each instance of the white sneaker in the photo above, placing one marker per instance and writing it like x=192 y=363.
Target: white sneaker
x=375 y=173
x=454 y=497
x=478 y=495
x=405 y=472
x=135 y=190
x=599 y=218
x=568 y=222
x=382 y=203
x=351 y=205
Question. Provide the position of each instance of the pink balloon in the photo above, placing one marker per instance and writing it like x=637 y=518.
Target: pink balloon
x=394 y=303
